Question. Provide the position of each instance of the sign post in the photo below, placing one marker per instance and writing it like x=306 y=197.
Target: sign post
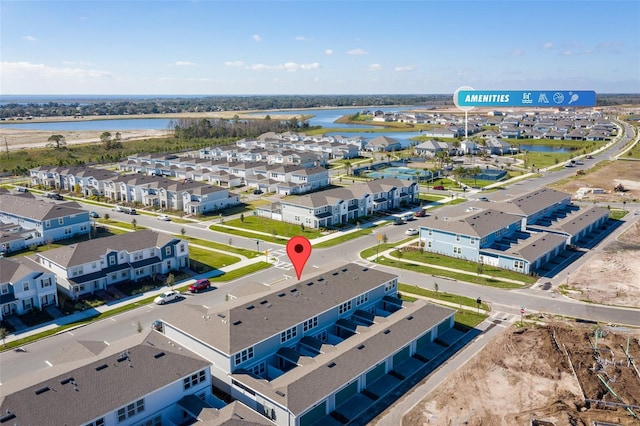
x=521 y=315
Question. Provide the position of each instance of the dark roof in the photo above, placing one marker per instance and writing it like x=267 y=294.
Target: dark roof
x=476 y=224
x=92 y=250
x=35 y=209
x=250 y=322
x=127 y=377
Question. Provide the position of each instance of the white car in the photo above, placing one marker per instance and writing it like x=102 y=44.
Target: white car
x=166 y=297
x=411 y=231
x=164 y=217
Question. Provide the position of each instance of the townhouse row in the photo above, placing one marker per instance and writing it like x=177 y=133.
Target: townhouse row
x=327 y=347
x=189 y=196
x=337 y=206
x=86 y=268
x=523 y=234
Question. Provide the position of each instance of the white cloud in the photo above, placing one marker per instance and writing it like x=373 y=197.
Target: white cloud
x=548 y=45
x=357 y=52
x=29 y=38
x=374 y=67
x=75 y=63
x=328 y=52
x=47 y=71
x=185 y=64
x=405 y=68
x=517 y=52
x=288 y=66
x=567 y=53
x=257 y=38
x=234 y=64
x=301 y=38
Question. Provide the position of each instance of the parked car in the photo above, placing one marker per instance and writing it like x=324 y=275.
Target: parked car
x=94 y=215
x=411 y=231
x=199 y=285
x=257 y=191
x=166 y=297
x=420 y=213
x=54 y=196
x=439 y=188
x=164 y=218
x=398 y=221
x=483 y=199
x=407 y=217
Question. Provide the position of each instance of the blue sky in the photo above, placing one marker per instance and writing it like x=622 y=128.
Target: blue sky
x=267 y=47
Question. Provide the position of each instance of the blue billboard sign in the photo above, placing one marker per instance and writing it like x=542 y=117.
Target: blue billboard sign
x=524 y=98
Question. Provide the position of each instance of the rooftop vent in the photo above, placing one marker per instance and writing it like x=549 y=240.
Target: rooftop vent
x=293 y=290
x=281 y=295
x=361 y=347
x=279 y=392
x=344 y=269
x=410 y=317
x=42 y=390
x=264 y=302
x=67 y=380
x=387 y=331
x=334 y=274
x=250 y=307
x=159 y=355
x=310 y=283
x=331 y=365
x=320 y=279
x=237 y=322
x=101 y=367
x=221 y=315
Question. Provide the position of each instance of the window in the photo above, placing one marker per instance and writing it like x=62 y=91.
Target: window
x=391 y=285
x=167 y=251
x=130 y=410
x=4 y=289
x=430 y=231
x=362 y=299
x=47 y=224
x=25 y=286
x=457 y=250
x=182 y=248
x=429 y=244
x=112 y=260
x=345 y=307
x=60 y=221
x=288 y=334
x=458 y=237
x=322 y=336
x=156 y=421
x=309 y=324
x=99 y=422
x=137 y=256
x=473 y=241
x=518 y=264
x=67 y=231
x=243 y=356
x=46 y=282
x=152 y=252
x=194 y=379
x=259 y=369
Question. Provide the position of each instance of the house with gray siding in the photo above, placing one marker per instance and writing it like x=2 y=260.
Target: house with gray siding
x=41 y=221
x=86 y=267
x=25 y=285
x=300 y=352
x=151 y=382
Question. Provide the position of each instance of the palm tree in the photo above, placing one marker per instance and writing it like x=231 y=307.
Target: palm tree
x=475 y=171
x=347 y=165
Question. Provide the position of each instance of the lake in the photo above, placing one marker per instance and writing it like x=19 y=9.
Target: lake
x=94 y=125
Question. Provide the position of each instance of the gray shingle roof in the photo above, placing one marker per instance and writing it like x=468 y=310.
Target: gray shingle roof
x=36 y=209
x=92 y=250
x=316 y=378
x=476 y=224
x=56 y=401
x=534 y=201
x=249 y=322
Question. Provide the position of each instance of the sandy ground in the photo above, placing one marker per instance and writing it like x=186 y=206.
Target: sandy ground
x=612 y=275
x=522 y=375
x=25 y=139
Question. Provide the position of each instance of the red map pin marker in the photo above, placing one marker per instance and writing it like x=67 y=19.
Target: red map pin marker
x=298 y=250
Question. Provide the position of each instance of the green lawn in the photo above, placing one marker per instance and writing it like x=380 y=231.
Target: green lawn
x=270 y=226
x=237 y=273
x=617 y=214
x=342 y=238
x=228 y=248
x=212 y=259
x=445 y=297
x=125 y=225
x=465 y=265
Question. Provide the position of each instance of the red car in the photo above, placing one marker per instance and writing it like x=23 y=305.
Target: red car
x=420 y=213
x=439 y=188
x=199 y=285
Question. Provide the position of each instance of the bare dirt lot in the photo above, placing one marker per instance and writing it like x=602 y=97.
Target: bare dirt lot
x=612 y=274
x=525 y=375
x=625 y=172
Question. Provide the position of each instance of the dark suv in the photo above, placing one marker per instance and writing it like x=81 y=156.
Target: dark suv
x=199 y=285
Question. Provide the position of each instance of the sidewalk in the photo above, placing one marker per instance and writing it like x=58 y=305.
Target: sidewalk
x=89 y=313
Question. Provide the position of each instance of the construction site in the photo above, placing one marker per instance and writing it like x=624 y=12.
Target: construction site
x=548 y=372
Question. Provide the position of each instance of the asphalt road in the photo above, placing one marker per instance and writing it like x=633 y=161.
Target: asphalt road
x=46 y=353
